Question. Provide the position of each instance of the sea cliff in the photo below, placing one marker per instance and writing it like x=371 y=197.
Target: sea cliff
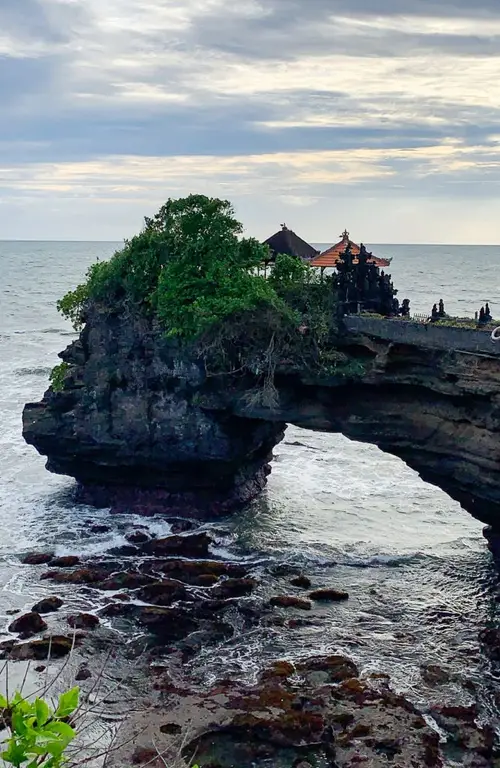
x=139 y=421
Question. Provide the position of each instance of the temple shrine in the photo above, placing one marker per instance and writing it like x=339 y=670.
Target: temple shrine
x=331 y=257
x=287 y=242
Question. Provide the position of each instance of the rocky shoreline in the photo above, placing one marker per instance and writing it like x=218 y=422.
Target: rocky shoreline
x=312 y=711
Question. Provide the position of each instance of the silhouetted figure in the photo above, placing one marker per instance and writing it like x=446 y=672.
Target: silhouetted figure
x=434 y=313
x=487 y=313
x=441 y=308
x=482 y=316
x=405 y=308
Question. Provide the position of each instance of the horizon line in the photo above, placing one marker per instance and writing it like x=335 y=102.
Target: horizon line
x=317 y=242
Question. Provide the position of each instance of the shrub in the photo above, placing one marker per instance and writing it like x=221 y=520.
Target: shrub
x=39 y=735
x=58 y=375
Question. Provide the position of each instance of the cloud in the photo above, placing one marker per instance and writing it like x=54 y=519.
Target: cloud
x=282 y=100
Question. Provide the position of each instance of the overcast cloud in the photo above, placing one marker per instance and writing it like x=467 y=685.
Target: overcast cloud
x=380 y=116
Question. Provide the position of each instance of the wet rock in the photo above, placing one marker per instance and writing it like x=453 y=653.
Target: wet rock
x=112 y=610
x=491 y=639
x=68 y=561
x=234 y=588
x=289 y=601
x=278 y=669
x=83 y=621
x=126 y=580
x=181 y=526
x=206 y=580
x=127 y=550
x=137 y=537
x=303 y=582
x=80 y=576
x=171 y=729
x=163 y=592
x=328 y=595
x=13 y=611
x=57 y=645
x=170 y=624
x=28 y=624
x=48 y=605
x=122 y=597
x=83 y=673
x=191 y=571
x=40 y=668
x=475 y=742
x=333 y=669
x=37 y=558
x=434 y=675
x=192 y=545
x=99 y=529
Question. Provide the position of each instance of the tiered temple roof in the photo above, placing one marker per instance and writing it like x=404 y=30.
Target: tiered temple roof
x=330 y=257
x=286 y=241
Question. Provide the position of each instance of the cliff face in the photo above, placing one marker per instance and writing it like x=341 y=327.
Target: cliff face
x=138 y=423
x=129 y=429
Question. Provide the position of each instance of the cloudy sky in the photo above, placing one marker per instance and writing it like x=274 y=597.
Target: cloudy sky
x=382 y=116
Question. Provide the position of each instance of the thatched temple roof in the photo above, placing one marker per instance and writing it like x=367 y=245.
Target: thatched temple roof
x=286 y=241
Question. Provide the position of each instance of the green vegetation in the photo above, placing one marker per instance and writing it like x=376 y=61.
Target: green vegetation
x=192 y=272
x=58 y=375
x=39 y=735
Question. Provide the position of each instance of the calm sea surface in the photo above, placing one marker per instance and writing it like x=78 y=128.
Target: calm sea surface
x=416 y=565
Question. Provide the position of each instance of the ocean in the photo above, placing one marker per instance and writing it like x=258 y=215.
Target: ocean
x=421 y=580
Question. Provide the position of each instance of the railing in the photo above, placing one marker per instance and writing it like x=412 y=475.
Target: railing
x=419 y=318
x=495 y=334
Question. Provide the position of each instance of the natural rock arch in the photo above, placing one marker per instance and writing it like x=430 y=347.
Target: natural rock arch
x=137 y=423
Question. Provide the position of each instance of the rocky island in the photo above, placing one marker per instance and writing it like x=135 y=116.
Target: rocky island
x=168 y=403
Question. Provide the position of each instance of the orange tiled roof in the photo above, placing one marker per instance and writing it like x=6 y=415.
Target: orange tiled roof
x=330 y=257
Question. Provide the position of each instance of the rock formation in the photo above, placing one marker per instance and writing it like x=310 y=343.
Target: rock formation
x=139 y=421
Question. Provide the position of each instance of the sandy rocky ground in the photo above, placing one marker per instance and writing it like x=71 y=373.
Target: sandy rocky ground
x=157 y=603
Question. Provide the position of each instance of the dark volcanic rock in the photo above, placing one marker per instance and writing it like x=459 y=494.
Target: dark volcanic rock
x=28 y=624
x=289 y=601
x=99 y=528
x=69 y=561
x=37 y=558
x=158 y=449
x=57 y=645
x=83 y=621
x=328 y=596
x=163 y=592
x=192 y=545
x=234 y=588
x=303 y=582
x=138 y=537
x=170 y=624
x=195 y=571
x=48 y=605
x=83 y=673
x=80 y=576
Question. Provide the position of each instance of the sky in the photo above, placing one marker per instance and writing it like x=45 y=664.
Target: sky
x=379 y=116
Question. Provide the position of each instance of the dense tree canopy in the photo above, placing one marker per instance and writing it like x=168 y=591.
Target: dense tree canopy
x=191 y=269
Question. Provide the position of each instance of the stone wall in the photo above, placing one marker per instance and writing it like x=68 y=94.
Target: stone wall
x=425 y=335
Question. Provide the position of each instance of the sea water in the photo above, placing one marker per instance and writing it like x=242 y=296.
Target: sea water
x=421 y=580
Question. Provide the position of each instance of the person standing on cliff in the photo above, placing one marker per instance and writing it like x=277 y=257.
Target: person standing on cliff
x=482 y=315
x=441 y=312
x=487 y=313
x=434 y=313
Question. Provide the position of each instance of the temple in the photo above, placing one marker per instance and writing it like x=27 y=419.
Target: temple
x=331 y=257
x=363 y=287
x=286 y=241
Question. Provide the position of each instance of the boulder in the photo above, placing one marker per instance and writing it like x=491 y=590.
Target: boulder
x=80 y=576
x=328 y=596
x=99 y=529
x=69 y=561
x=48 y=605
x=57 y=645
x=303 y=582
x=234 y=588
x=83 y=673
x=191 y=571
x=289 y=601
x=163 y=592
x=137 y=537
x=170 y=624
x=83 y=621
x=37 y=558
x=191 y=545
x=28 y=624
